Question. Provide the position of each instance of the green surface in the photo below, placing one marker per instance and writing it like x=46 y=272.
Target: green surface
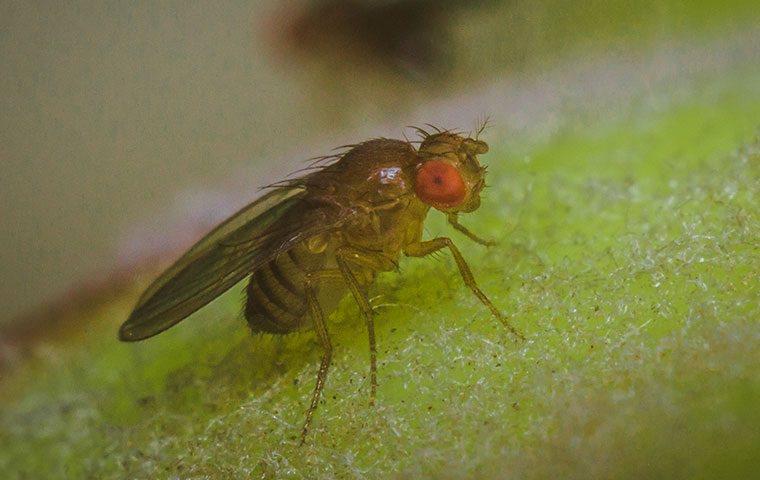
x=628 y=255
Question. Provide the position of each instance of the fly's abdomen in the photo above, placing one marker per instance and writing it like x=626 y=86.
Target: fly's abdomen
x=275 y=295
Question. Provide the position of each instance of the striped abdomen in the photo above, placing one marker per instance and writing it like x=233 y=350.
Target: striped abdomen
x=275 y=295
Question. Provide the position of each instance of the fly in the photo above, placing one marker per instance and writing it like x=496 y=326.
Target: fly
x=314 y=238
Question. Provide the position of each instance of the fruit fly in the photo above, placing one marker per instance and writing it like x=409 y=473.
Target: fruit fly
x=314 y=238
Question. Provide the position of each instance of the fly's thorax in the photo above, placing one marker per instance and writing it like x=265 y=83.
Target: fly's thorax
x=448 y=176
x=387 y=228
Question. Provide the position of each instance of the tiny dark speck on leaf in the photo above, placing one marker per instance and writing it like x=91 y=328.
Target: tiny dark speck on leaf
x=516 y=406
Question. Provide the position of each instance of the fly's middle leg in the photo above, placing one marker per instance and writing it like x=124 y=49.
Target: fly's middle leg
x=421 y=249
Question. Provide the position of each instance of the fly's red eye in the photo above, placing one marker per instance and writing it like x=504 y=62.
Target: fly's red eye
x=439 y=183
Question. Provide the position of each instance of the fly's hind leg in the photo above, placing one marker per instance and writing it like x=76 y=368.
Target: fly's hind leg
x=320 y=327
x=421 y=249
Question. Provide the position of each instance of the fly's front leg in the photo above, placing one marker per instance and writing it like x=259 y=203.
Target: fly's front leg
x=454 y=222
x=320 y=327
x=422 y=249
x=374 y=261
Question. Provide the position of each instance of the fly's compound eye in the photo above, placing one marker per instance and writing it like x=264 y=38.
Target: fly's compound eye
x=439 y=183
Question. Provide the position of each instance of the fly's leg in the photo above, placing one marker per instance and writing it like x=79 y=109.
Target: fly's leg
x=374 y=261
x=454 y=222
x=422 y=249
x=320 y=327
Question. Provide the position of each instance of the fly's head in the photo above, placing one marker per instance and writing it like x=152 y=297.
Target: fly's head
x=449 y=177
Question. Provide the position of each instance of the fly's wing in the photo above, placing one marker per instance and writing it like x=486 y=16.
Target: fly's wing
x=222 y=258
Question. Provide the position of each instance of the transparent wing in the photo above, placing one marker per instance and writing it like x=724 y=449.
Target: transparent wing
x=237 y=247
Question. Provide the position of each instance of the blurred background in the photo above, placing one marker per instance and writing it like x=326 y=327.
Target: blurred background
x=128 y=129
x=624 y=172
